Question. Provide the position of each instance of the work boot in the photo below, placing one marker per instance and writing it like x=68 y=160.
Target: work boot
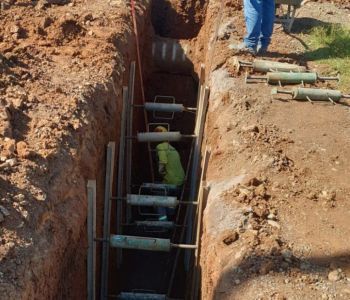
x=261 y=50
x=243 y=48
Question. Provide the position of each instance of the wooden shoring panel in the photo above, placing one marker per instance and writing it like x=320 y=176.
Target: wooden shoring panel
x=199 y=131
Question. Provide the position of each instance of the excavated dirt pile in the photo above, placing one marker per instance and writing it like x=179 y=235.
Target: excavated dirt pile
x=61 y=72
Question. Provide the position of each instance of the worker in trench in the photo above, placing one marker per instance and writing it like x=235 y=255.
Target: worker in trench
x=170 y=168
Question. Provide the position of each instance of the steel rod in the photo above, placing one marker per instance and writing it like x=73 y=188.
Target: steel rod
x=284 y=92
x=324 y=78
x=245 y=63
x=129 y=133
x=200 y=83
x=135 y=224
x=121 y=166
x=256 y=77
x=187 y=203
x=152 y=185
x=91 y=229
x=140 y=296
x=165 y=224
x=183 y=246
x=107 y=217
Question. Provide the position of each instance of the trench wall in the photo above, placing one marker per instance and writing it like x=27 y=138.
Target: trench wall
x=56 y=263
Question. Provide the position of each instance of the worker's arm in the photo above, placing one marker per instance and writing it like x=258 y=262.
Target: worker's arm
x=163 y=159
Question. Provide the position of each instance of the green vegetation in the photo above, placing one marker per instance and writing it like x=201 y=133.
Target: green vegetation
x=330 y=45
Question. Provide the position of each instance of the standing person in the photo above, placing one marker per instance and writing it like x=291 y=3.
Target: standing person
x=170 y=168
x=259 y=18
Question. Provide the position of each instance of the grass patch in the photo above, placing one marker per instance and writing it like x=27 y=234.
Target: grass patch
x=330 y=45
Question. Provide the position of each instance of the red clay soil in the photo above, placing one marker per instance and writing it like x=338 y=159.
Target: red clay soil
x=61 y=71
x=277 y=215
x=178 y=19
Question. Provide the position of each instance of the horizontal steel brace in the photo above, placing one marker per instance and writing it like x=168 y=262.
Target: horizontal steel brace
x=152 y=200
x=140 y=296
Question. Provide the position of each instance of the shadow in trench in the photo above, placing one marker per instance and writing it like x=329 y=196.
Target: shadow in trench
x=178 y=19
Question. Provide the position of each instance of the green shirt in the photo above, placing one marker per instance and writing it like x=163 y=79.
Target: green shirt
x=167 y=155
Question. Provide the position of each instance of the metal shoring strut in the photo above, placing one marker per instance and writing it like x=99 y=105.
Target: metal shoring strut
x=203 y=191
x=196 y=152
x=289 y=78
x=107 y=218
x=166 y=107
x=91 y=224
x=199 y=97
x=265 y=66
x=153 y=201
x=121 y=167
x=311 y=94
x=145 y=243
x=129 y=133
x=153 y=137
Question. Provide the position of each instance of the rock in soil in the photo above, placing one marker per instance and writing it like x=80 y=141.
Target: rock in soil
x=22 y=150
x=4 y=211
x=335 y=275
x=230 y=238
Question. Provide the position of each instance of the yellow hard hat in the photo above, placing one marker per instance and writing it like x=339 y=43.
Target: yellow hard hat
x=160 y=129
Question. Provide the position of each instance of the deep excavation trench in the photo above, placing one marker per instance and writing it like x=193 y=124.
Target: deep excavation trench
x=175 y=37
x=168 y=72
x=168 y=35
x=143 y=270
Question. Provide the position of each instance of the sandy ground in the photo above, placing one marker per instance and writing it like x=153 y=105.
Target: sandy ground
x=277 y=216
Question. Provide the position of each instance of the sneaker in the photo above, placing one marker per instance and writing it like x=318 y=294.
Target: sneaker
x=242 y=47
x=163 y=218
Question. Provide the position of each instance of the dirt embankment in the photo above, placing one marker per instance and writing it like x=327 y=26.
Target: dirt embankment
x=62 y=68
x=277 y=215
x=276 y=220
